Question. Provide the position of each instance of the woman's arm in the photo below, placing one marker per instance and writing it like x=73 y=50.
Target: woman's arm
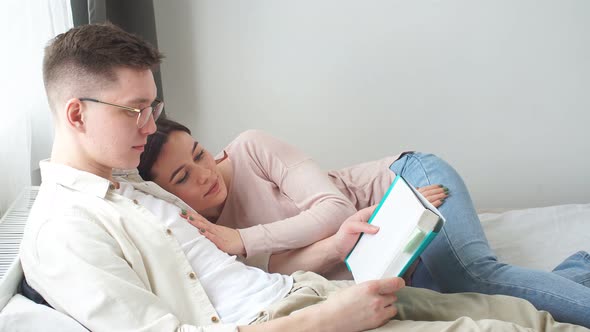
x=299 y=180
x=319 y=257
x=323 y=255
x=230 y=241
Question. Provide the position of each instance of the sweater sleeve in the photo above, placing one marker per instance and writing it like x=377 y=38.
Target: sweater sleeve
x=300 y=179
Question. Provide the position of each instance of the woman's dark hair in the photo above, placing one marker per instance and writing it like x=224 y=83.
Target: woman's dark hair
x=154 y=145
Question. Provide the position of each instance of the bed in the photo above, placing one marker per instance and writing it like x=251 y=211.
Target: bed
x=536 y=237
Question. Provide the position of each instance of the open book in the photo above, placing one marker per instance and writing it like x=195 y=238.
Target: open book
x=407 y=224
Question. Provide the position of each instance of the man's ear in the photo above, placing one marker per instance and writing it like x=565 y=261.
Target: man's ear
x=74 y=114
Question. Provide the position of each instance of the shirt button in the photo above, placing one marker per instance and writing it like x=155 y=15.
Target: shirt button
x=192 y=275
x=135 y=202
x=168 y=231
x=214 y=319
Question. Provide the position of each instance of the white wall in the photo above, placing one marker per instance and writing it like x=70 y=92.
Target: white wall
x=498 y=88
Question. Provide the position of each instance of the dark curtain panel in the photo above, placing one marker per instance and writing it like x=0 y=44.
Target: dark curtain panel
x=135 y=16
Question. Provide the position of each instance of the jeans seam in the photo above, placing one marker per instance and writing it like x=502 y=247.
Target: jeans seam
x=584 y=255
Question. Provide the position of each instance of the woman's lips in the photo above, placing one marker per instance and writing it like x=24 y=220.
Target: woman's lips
x=214 y=189
x=139 y=148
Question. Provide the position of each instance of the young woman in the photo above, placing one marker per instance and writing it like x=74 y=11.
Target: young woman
x=266 y=199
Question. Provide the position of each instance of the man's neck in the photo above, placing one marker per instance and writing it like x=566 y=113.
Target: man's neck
x=73 y=157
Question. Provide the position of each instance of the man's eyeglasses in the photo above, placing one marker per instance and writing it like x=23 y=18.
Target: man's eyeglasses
x=143 y=115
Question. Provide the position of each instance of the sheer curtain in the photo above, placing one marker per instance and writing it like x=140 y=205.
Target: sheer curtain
x=26 y=129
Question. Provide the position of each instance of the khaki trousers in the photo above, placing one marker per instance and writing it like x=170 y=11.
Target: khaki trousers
x=426 y=310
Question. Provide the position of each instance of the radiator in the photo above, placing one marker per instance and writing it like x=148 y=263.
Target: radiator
x=12 y=226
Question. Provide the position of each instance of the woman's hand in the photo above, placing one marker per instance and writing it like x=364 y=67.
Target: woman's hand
x=363 y=306
x=435 y=194
x=225 y=238
x=350 y=230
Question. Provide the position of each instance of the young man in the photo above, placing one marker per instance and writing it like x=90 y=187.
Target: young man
x=113 y=253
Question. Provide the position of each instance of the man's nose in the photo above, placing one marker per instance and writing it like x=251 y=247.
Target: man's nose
x=149 y=127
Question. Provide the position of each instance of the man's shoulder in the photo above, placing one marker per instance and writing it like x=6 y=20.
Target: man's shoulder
x=59 y=197
x=58 y=216
x=58 y=205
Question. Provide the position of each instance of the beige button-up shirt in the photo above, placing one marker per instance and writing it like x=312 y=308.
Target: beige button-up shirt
x=107 y=261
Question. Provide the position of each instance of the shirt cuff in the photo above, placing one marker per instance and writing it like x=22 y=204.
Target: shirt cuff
x=253 y=239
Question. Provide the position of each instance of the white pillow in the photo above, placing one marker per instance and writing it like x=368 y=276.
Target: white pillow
x=539 y=238
x=23 y=315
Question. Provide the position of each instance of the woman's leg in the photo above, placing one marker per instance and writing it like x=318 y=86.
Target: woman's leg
x=576 y=268
x=460 y=259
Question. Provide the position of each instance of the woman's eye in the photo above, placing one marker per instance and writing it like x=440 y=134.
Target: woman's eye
x=183 y=179
x=199 y=156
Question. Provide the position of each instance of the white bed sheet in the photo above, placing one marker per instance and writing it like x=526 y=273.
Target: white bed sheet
x=539 y=238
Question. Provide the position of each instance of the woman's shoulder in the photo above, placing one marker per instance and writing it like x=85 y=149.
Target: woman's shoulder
x=261 y=145
x=253 y=136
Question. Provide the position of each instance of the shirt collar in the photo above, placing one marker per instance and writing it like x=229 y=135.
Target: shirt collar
x=128 y=174
x=124 y=172
x=74 y=178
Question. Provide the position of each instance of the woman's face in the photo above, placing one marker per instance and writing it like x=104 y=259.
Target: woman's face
x=187 y=170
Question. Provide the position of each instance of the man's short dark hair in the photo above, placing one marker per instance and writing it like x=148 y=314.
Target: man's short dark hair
x=86 y=57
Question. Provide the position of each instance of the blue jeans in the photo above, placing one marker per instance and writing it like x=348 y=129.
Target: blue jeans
x=460 y=259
